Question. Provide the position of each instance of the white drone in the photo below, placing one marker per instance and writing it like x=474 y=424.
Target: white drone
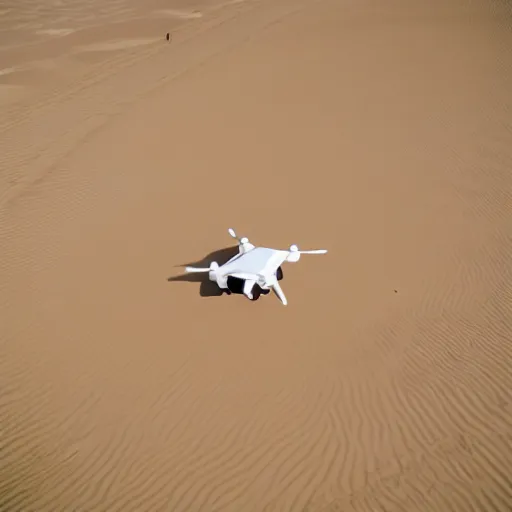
x=254 y=270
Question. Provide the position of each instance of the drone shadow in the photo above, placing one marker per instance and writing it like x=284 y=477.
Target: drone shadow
x=207 y=288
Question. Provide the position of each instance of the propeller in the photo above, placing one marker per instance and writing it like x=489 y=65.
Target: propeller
x=192 y=270
x=295 y=254
x=242 y=240
x=212 y=268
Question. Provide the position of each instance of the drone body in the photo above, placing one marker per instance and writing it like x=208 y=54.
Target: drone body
x=254 y=270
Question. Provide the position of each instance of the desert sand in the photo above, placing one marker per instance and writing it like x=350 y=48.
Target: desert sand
x=381 y=131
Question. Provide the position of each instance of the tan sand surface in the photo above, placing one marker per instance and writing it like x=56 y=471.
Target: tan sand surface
x=381 y=131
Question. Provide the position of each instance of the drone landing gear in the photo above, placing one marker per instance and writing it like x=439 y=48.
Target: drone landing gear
x=236 y=285
x=256 y=292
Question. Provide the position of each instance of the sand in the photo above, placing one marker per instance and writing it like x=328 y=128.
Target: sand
x=379 y=131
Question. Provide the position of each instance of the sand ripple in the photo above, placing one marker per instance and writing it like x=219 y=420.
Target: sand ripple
x=383 y=386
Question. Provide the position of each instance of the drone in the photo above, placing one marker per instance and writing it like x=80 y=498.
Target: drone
x=254 y=271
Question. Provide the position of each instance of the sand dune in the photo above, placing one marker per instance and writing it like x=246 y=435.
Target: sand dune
x=379 y=131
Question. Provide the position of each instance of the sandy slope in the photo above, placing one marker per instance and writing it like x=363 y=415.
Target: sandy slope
x=381 y=131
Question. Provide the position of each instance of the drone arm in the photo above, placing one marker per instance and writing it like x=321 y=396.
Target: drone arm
x=244 y=247
x=246 y=276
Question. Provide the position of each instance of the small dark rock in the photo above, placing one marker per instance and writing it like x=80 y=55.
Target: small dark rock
x=168 y=36
x=396 y=291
